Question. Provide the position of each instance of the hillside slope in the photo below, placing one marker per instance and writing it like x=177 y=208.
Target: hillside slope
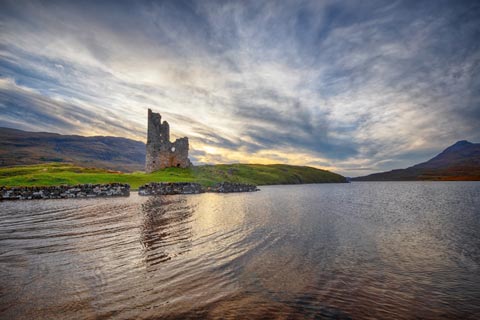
x=460 y=161
x=57 y=173
x=19 y=147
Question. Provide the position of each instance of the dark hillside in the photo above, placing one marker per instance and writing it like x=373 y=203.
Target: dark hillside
x=19 y=147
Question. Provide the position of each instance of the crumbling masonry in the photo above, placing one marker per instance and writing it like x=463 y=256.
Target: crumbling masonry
x=161 y=153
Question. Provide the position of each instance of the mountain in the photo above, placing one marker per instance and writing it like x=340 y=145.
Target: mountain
x=19 y=147
x=460 y=161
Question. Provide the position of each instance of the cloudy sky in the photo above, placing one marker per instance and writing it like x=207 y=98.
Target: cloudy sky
x=351 y=86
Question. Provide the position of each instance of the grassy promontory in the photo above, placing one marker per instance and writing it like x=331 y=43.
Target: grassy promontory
x=61 y=173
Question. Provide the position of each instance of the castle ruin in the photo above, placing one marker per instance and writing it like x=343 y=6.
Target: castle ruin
x=161 y=153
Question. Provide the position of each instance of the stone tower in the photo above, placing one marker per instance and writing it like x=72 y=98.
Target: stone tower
x=161 y=153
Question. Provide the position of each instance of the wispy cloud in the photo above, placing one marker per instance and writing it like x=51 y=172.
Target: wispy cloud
x=351 y=86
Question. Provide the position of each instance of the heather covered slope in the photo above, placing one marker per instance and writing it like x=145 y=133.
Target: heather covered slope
x=58 y=173
x=460 y=161
x=19 y=147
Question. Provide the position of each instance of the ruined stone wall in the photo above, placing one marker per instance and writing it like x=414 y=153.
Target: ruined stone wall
x=158 y=132
x=161 y=153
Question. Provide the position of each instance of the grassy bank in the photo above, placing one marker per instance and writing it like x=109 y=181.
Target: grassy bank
x=61 y=173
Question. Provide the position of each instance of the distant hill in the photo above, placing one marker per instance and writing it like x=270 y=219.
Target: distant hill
x=19 y=147
x=460 y=161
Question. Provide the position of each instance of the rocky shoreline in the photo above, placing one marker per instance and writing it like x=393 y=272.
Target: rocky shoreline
x=65 y=191
x=118 y=190
x=228 y=187
x=168 y=188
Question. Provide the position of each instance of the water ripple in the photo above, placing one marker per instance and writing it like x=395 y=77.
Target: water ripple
x=347 y=251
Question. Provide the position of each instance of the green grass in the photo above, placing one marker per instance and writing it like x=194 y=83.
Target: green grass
x=60 y=173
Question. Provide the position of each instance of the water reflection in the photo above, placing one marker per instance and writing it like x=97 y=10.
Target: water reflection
x=166 y=230
x=359 y=250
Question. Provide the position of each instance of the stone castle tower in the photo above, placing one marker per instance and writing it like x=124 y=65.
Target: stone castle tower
x=161 y=153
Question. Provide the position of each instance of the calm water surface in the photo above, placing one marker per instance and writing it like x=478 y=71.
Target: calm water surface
x=335 y=251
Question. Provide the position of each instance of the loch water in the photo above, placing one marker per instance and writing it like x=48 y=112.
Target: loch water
x=363 y=250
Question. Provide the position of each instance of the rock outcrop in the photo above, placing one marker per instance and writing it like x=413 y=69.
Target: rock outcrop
x=161 y=153
x=228 y=187
x=65 y=191
x=166 y=188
